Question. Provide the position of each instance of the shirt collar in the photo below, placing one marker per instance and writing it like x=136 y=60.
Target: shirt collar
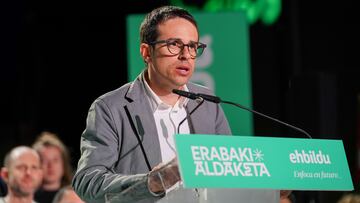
x=156 y=102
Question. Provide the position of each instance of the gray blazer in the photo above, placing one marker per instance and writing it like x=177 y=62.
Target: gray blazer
x=111 y=159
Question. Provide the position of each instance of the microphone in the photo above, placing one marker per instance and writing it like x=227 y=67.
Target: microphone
x=200 y=101
x=217 y=100
x=189 y=95
x=192 y=95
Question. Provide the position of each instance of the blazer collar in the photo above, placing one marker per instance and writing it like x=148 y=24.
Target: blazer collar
x=139 y=108
x=143 y=119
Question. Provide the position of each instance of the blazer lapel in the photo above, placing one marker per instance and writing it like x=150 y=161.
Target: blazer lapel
x=143 y=119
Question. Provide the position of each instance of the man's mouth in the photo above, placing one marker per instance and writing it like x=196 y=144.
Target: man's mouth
x=183 y=70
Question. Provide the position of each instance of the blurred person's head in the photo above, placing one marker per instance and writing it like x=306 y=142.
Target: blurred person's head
x=22 y=172
x=67 y=195
x=286 y=196
x=350 y=198
x=55 y=161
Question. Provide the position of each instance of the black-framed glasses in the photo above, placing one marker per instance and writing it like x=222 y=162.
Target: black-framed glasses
x=176 y=46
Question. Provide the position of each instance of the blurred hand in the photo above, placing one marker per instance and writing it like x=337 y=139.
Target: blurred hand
x=163 y=176
x=284 y=193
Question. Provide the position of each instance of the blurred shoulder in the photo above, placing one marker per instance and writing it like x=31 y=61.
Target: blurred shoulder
x=196 y=88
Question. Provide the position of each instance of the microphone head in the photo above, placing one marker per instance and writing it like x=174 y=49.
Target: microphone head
x=210 y=98
x=189 y=95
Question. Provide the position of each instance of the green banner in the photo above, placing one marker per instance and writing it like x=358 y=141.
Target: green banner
x=267 y=11
x=209 y=161
x=224 y=66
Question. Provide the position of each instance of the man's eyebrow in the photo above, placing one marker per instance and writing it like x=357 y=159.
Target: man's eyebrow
x=174 y=39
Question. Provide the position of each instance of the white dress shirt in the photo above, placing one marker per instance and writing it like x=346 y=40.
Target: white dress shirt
x=167 y=119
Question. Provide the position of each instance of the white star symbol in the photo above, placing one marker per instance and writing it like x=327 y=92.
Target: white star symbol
x=259 y=156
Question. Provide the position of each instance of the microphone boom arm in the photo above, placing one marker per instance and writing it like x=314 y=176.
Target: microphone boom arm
x=266 y=116
x=217 y=100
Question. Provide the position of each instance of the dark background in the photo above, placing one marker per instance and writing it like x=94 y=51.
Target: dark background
x=58 y=56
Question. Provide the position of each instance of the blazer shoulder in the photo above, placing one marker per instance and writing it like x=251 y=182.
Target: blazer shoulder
x=199 y=89
x=115 y=97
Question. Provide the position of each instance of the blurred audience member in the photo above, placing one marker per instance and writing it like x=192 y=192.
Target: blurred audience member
x=56 y=166
x=288 y=198
x=350 y=198
x=22 y=173
x=3 y=187
x=67 y=195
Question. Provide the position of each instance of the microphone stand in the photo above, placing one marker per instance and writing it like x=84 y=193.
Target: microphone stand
x=200 y=101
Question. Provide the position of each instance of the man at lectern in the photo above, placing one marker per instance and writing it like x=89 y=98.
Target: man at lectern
x=129 y=135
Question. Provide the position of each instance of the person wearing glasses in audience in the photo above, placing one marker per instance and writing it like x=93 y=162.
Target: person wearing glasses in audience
x=112 y=160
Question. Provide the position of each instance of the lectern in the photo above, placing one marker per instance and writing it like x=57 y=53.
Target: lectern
x=206 y=195
x=226 y=169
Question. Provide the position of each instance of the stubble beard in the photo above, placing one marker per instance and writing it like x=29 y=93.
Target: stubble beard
x=19 y=192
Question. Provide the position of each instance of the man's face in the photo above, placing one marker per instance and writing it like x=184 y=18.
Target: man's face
x=24 y=174
x=52 y=164
x=168 y=71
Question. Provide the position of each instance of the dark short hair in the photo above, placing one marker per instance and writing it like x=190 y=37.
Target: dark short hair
x=148 y=28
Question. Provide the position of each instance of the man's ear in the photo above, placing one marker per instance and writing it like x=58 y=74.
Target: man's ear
x=4 y=174
x=145 y=52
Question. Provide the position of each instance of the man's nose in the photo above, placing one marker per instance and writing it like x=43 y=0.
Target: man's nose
x=185 y=53
x=28 y=170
